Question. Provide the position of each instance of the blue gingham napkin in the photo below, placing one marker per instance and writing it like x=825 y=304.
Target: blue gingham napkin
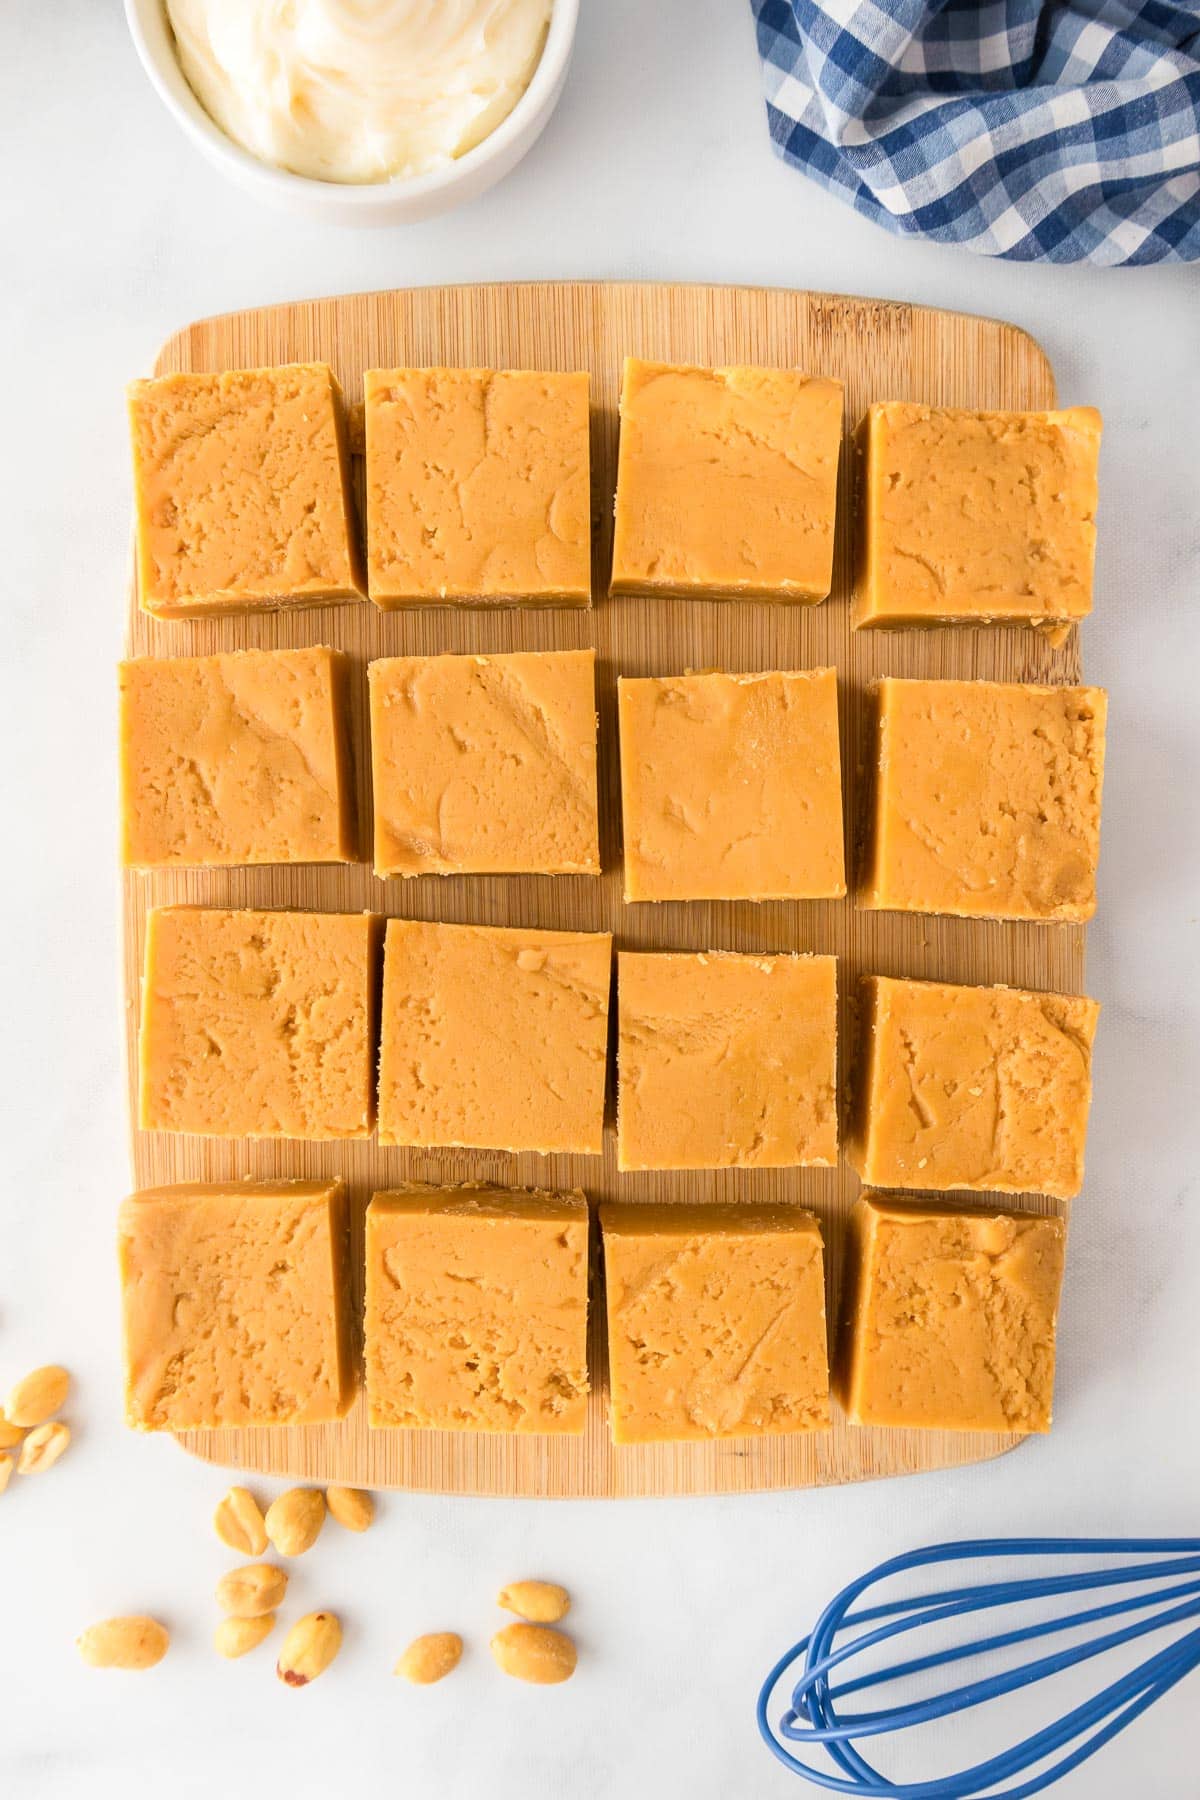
x=1038 y=131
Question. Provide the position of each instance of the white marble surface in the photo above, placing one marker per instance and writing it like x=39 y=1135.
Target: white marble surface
x=113 y=232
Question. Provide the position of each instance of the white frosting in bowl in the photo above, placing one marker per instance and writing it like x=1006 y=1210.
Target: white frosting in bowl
x=358 y=90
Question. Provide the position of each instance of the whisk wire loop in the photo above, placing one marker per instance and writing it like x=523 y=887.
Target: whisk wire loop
x=813 y=1718
x=1004 y=1640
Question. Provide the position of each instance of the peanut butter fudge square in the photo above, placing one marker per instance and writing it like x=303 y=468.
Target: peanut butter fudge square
x=716 y=1321
x=485 y=764
x=986 y=799
x=478 y=488
x=242 y=492
x=477 y=1309
x=726 y=482
x=235 y=759
x=493 y=1038
x=726 y=1061
x=731 y=787
x=236 y=1304
x=950 y=1317
x=258 y=1024
x=971 y=1087
x=966 y=517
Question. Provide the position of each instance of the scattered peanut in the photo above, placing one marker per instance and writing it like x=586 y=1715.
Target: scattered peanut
x=129 y=1643
x=309 y=1648
x=6 y=1469
x=542 y=1602
x=352 y=1507
x=37 y=1397
x=430 y=1657
x=10 y=1434
x=294 y=1521
x=535 y=1653
x=252 y=1591
x=234 y=1637
x=238 y=1522
x=42 y=1448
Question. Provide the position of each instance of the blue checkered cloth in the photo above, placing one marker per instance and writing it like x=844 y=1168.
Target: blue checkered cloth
x=1042 y=132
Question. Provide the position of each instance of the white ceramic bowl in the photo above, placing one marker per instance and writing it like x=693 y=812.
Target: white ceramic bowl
x=376 y=203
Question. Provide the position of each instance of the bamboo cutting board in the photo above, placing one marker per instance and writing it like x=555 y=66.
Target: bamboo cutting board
x=881 y=351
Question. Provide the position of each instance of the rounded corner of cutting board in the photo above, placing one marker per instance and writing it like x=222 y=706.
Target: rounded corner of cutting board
x=883 y=349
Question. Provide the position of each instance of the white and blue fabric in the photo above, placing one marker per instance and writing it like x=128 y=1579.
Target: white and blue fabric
x=1065 y=132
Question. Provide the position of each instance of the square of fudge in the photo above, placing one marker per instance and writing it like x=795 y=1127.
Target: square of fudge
x=242 y=491
x=494 y=1038
x=716 y=1321
x=235 y=759
x=950 y=1318
x=485 y=764
x=476 y=1309
x=726 y=1061
x=731 y=787
x=966 y=517
x=726 y=482
x=236 y=1304
x=258 y=1024
x=986 y=799
x=478 y=488
x=971 y=1087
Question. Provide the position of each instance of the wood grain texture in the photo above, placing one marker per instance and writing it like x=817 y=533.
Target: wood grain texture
x=881 y=351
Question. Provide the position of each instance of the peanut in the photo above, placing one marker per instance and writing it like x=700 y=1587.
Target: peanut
x=10 y=1434
x=430 y=1657
x=534 y=1653
x=234 y=1637
x=238 y=1522
x=294 y=1521
x=6 y=1469
x=128 y=1643
x=42 y=1448
x=309 y=1648
x=252 y=1591
x=542 y=1602
x=352 y=1507
x=37 y=1397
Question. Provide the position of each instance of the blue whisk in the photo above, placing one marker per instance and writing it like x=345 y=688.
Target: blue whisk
x=814 y=1720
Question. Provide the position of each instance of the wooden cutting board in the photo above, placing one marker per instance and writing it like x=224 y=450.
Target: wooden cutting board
x=881 y=351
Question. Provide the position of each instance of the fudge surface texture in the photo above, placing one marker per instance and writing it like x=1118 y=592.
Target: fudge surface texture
x=970 y=516
x=986 y=799
x=726 y=1061
x=235 y=759
x=950 y=1321
x=726 y=482
x=476 y=1309
x=242 y=491
x=478 y=487
x=235 y=1299
x=485 y=764
x=258 y=1024
x=492 y=1038
x=731 y=787
x=971 y=1087
x=716 y=1321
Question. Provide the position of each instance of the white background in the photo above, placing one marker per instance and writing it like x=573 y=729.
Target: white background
x=112 y=233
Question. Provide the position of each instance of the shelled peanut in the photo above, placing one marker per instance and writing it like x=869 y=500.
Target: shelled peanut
x=31 y=1438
